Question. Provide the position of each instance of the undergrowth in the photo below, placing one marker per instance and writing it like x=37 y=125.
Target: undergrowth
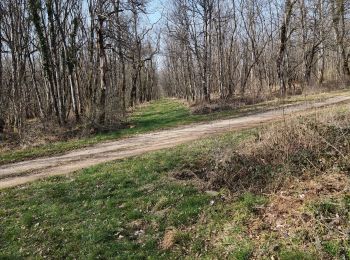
x=301 y=167
x=276 y=153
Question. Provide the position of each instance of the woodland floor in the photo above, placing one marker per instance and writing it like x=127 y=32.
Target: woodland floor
x=281 y=191
x=31 y=170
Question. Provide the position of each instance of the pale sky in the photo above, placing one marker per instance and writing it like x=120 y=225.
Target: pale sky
x=155 y=10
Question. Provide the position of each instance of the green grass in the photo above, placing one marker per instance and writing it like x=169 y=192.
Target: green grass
x=124 y=209
x=119 y=209
x=157 y=115
x=296 y=255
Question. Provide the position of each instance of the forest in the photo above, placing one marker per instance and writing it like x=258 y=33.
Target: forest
x=67 y=60
x=90 y=61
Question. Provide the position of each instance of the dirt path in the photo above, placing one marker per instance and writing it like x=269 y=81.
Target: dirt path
x=28 y=171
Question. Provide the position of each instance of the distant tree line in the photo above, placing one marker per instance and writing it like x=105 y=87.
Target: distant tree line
x=74 y=60
x=232 y=48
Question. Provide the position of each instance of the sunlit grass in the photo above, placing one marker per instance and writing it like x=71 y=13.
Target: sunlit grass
x=157 y=115
x=126 y=209
x=120 y=209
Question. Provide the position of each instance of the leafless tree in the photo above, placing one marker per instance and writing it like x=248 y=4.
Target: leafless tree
x=73 y=60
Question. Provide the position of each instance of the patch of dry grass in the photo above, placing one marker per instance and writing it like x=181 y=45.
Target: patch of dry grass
x=302 y=168
x=277 y=153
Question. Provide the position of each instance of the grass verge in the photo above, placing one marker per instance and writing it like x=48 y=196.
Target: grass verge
x=200 y=200
x=120 y=209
